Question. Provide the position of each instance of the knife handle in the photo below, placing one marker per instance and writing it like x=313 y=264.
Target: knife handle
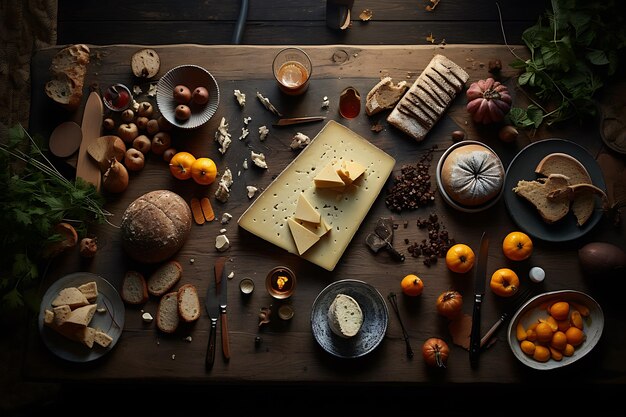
x=225 y=339
x=210 y=350
x=474 y=349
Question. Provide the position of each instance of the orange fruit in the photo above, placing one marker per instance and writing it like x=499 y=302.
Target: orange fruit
x=460 y=258
x=517 y=246
x=544 y=332
x=542 y=353
x=575 y=336
x=504 y=282
x=560 y=310
x=203 y=171
x=559 y=340
x=180 y=165
x=412 y=285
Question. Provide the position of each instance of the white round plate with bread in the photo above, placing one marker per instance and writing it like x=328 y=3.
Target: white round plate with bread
x=526 y=215
x=106 y=319
x=362 y=299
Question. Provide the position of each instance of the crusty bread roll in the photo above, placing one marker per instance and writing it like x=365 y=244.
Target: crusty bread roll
x=561 y=163
x=155 y=226
x=67 y=76
x=472 y=175
x=345 y=316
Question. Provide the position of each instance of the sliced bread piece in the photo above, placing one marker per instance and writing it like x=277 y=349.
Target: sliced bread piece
x=82 y=315
x=167 y=313
x=61 y=314
x=164 y=278
x=67 y=76
x=102 y=338
x=384 y=95
x=536 y=192
x=70 y=296
x=345 y=316
x=583 y=204
x=145 y=63
x=90 y=290
x=134 y=288
x=188 y=303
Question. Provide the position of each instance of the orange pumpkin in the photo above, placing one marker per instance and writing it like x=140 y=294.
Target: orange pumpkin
x=412 y=285
x=203 y=171
x=450 y=304
x=435 y=352
x=517 y=246
x=504 y=282
x=180 y=165
x=460 y=258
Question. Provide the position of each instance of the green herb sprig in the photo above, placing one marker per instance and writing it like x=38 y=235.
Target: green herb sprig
x=34 y=197
x=574 y=49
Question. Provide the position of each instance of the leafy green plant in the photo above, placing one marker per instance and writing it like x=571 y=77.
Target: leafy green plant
x=35 y=197
x=574 y=49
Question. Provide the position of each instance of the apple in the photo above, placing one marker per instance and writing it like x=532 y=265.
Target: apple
x=134 y=159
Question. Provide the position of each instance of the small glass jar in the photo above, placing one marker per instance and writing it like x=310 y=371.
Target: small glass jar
x=117 y=97
x=280 y=282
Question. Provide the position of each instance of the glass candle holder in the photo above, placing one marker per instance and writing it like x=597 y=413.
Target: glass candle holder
x=292 y=69
x=280 y=282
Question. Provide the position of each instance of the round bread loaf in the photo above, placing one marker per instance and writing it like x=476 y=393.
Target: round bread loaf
x=155 y=226
x=345 y=316
x=472 y=175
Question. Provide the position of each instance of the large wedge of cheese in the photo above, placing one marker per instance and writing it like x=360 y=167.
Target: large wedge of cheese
x=342 y=211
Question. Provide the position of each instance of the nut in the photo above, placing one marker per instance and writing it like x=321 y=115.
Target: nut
x=508 y=133
x=458 y=135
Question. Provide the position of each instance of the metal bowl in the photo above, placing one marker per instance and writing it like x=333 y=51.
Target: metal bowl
x=191 y=76
x=535 y=308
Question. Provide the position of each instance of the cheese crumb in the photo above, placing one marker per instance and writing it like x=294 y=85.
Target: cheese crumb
x=246 y=120
x=222 y=231
x=137 y=90
x=244 y=133
x=188 y=339
x=241 y=98
x=300 y=140
x=245 y=163
x=222 y=136
x=231 y=275
x=251 y=190
x=173 y=356
x=226 y=218
x=152 y=90
x=325 y=103
x=222 y=243
x=147 y=317
x=101 y=310
x=258 y=159
x=263 y=132
x=223 y=187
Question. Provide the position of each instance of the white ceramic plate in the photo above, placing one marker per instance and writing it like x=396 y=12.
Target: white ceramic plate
x=191 y=76
x=375 y=319
x=111 y=321
x=534 y=309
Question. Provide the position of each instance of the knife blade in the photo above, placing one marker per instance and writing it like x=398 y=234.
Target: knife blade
x=91 y=127
x=298 y=120
x=211 y=303
x=479 y=292
x=221 y=288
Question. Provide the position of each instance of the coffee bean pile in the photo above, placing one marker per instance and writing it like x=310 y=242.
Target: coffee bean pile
x=412 y=189
x=437 y=244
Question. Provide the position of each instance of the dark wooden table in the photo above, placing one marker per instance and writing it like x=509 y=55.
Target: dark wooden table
x=288 y=352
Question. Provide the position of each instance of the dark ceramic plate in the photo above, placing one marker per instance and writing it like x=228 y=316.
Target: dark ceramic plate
x=375 y=318
x=110 y=321
x=525 y=214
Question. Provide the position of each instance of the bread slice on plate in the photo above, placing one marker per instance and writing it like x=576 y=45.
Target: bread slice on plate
x=164 y=278
x=345 y=316
x=537 y=191
x=562 y=163
x=90 y=290
x=82 y=315
x=188 y=303
x=134 y=288
x=384 y=95
x=70 y=296
x=167 y=313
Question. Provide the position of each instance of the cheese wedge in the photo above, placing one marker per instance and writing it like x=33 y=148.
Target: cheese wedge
x=328 y=177
x=320 y=229
x=349 y=171
x=305 y=211
x=82 y=315
x=303 y=237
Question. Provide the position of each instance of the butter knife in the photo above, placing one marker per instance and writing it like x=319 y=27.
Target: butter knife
x=221 y=288
x=298 y=120
x=212 y=306
x=479 y=292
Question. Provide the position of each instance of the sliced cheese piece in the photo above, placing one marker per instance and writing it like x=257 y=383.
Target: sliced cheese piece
x=320 y=229
x=303 y=237
x=71 y=296
x=328 y=177
x=349 y=171
x=48 y=317
x=102 y=338
x=90 y=290
x=305 y=211
x=61 y=314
